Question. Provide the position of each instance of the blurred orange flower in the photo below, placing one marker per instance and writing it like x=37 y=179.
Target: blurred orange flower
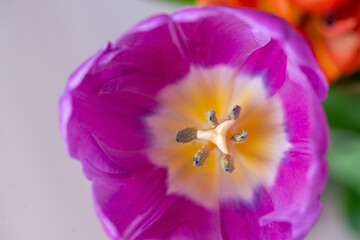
x=331 y=26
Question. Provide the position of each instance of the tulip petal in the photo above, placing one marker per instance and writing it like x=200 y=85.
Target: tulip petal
x=239 y=220
x=269 y=61
x=295 y=46
x=130 y=208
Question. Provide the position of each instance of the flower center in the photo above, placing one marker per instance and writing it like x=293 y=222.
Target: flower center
x=217 y=135
x=256 y=160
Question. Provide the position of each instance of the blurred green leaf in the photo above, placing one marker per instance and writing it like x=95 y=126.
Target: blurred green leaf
x=351 y=203
x=344 y=157
x=182 y=2
x=343 y=111
x=192 y=2
x=342 y=107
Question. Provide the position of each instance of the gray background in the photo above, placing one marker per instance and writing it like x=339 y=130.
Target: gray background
x=43 y=193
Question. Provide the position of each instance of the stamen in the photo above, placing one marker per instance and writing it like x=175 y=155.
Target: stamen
x=217 y=135
x=235 y=112
x=201 y=155
x=227 y=162
x=239 y=137
x=210 y=116
x=186 y=135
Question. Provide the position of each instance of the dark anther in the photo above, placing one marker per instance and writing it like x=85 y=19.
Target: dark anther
x=185 y=135
x=235 y=112
x=211 y=117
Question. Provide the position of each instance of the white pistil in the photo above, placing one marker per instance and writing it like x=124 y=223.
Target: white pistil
x=217 y=135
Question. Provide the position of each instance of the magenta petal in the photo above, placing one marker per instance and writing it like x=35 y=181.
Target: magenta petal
x=95 y=125
x=295 y=46
x=127 y=207
x=193 y=222
x=109 y=95
x=132 y=208
x=269 y=61
x=240 y=220
x=254 y=28
x=216 y=38
x=303 y=174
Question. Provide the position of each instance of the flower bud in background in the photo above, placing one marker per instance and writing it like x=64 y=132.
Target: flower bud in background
x=331 y=26
x=203 y=124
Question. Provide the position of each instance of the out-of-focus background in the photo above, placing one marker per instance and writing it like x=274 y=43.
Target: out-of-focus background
x=43 y=193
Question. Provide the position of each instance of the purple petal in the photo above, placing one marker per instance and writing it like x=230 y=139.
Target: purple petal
x=269 y=61
x=302 y=176
x=110 y=94
x=138 y=208
x=215 y=38
x=295 y=46
x=240 y=220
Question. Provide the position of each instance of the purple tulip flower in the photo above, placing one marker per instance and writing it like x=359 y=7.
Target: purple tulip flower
x=205 y=124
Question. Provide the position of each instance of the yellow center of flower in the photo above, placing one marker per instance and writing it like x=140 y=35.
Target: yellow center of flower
x=194 y=168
